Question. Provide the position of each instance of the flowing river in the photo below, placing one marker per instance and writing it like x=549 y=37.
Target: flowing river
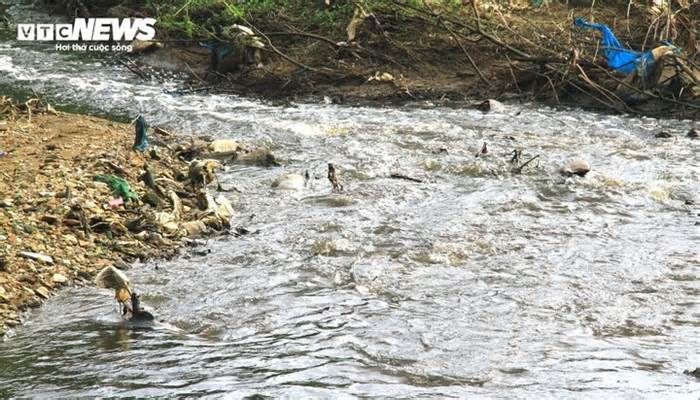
x=475 y=283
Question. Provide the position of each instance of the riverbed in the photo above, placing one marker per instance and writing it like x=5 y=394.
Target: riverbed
x=477 y=282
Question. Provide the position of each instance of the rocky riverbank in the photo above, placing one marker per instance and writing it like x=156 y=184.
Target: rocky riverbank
x=75 y=196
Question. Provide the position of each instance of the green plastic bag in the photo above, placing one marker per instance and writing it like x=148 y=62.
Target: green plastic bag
x=119 y=186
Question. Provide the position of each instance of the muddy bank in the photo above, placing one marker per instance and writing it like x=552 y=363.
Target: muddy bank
x=65 y=212
x=395 y=52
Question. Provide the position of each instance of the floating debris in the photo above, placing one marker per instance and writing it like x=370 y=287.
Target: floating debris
x=405 y=177
x=516 y=158
x=483 y=151
x=333 y=178
x=112 y=278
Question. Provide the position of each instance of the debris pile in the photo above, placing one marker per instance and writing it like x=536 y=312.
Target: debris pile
x=77 y=197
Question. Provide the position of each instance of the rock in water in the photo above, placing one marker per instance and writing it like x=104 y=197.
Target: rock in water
x=138 y=314
x=491 y=105
x=694 y=133
x=578 y=167
x=259 y=157
x=290 y=182
x=663 y=135
x=695 y=372
x=225 y=146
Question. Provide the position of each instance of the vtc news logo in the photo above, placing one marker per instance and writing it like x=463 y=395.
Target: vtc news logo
x=90 y=29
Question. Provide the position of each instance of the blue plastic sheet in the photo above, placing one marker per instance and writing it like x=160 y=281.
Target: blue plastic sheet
x=221 y=50
x=618 y=57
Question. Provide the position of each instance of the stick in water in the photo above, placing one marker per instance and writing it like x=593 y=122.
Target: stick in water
x=337 y=186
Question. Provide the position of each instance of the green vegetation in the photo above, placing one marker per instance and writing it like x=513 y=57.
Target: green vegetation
x=203 y=19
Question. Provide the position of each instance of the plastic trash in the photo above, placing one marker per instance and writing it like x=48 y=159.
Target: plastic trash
x=141 y=139
x=115 y=202
x=119 y=186
x=219 y=50
x=618 y=57
x=37 y=256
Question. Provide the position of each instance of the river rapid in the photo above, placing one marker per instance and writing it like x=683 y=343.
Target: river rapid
x=475 y=283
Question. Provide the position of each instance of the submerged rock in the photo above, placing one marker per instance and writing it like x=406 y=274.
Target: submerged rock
x=259 y=157
x=695 y=372
x=694 y=133
x=137 y=313
x=225 y=146
x=578 y=167
x=663 y=135
x=491 y=105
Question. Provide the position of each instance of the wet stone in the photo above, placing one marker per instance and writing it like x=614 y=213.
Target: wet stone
x=576 y=167
x=491 y=106
x=12 y=321
x=695 y=373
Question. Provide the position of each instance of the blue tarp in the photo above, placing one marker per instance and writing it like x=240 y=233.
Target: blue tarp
x=221 y=50
x=618 y=57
